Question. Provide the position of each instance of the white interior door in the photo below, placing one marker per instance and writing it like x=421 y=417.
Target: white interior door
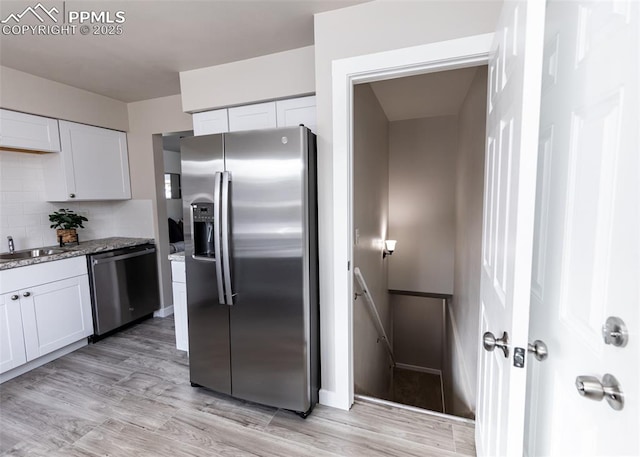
x=586 y=251
x=509 y=202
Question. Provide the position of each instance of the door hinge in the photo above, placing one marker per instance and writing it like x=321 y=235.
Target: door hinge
x=349 y=265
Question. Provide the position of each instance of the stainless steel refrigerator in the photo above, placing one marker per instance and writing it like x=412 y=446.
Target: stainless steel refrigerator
x=251 y=253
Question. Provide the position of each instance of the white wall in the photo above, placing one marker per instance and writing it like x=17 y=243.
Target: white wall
x=31 y=94
x=358 y=30
x=463 y=339
x=422 y=183
x=371 y=198
x=280 y=75
x=24 y=211
x=172 y=164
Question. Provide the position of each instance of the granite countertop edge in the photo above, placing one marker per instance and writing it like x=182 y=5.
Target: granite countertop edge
x=84 y=248
x=177 y=256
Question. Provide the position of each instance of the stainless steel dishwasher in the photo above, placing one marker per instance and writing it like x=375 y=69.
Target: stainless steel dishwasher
x=124 y=286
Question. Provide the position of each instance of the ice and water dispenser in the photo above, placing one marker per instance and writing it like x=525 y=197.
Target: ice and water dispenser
x=203 y=239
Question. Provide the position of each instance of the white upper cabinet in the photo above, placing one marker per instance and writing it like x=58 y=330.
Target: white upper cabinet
x=210 y=122
x=296 y=111
x=252 y=117
x=283 y=113
x=92 y=165
x=26 y=131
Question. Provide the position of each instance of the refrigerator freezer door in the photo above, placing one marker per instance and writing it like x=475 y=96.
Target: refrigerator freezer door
x=209 y=351
x=270 y=318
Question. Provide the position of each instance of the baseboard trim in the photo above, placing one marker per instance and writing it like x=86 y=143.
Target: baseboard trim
x=406 y=366
x=164 y=312
x=32 y=365
x=378 y=401
x=330 y=398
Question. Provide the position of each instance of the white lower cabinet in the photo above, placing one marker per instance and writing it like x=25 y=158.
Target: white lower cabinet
x=55 y=315
x=42 y=316
x=180 y=305
x=12 y=353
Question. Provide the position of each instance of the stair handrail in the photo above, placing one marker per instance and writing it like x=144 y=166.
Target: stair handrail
x=374 y=312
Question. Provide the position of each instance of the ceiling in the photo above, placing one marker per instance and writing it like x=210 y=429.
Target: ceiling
x=427 y=95
x=159 y=39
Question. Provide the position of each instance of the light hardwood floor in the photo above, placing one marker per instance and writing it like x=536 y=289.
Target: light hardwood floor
x=129 y=395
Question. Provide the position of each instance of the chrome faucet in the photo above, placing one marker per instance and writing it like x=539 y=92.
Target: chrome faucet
x=12 y=247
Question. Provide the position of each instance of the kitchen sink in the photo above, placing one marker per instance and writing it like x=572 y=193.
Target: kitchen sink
x=30 y=254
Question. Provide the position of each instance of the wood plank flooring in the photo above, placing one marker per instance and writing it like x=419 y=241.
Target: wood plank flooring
x=129 y=395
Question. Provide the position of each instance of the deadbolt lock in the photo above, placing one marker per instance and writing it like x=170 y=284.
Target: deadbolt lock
x=615 y=332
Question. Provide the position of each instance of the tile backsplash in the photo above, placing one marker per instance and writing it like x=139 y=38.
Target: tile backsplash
x=24 y=212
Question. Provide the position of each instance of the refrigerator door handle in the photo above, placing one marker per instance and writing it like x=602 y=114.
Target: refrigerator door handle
x=226 y=246
x=216 y=235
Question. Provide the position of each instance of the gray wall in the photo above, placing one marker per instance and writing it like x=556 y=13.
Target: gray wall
x=422 y=167
x=371 y=199
x=418 y=330
x=463 y=313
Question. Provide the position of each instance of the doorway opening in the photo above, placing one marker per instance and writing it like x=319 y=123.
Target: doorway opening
x=418 y=179
x=172 y=188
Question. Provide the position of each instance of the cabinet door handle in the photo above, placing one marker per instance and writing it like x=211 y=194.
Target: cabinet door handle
x=14 y=297
x=26 y=294
x=72 y=195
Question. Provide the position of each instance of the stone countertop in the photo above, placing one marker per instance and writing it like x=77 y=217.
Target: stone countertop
x=177 y=256
x=84 y=248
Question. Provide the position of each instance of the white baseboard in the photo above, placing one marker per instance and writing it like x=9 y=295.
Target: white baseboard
x=164 y=312
x=22 y=369
x=330 y=398
x=379 y=401
x=406 y=366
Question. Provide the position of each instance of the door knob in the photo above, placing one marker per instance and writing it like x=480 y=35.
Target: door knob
x=590 y=387
x=26 y=294
x=539 y=350
x=14 y=297
x=490 y=342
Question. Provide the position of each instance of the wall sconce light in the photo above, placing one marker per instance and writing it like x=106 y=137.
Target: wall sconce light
x=389 y=247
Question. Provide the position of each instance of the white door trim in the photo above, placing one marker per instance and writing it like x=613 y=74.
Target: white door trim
x=428 y=58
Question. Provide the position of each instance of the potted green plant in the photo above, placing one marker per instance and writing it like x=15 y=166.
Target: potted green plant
x=66 y=222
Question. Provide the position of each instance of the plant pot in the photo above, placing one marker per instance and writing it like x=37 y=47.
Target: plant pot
x=67 y=236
